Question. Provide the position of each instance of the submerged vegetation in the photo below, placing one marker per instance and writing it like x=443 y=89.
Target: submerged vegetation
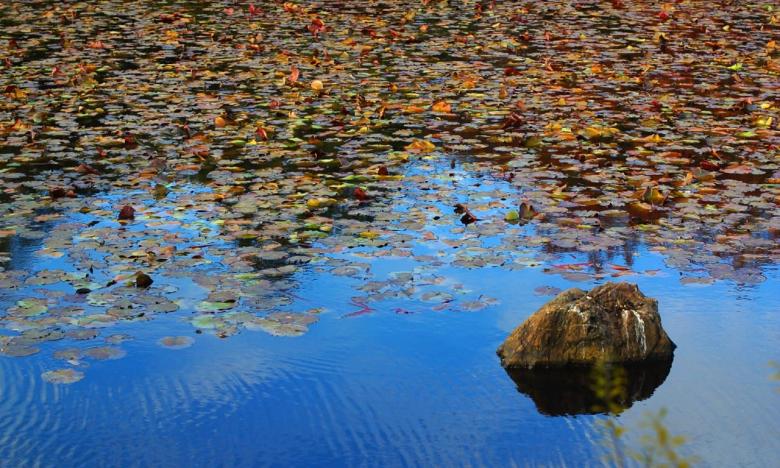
x=657 y=446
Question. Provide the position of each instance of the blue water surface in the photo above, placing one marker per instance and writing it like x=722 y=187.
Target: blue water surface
x=392 y=389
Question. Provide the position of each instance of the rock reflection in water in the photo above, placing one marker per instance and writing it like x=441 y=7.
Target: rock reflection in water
x=570 y=391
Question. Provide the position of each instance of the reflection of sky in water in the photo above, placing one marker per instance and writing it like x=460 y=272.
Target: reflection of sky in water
x=389 y=389
x=386 y=388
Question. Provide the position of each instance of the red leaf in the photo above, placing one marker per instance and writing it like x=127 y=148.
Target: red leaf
x=86 y=169
x=59 y=192
x=129 y=139
x=709 y=165
x=166 y=18
x=317 y=26
x=126 y=213
x=468 y=218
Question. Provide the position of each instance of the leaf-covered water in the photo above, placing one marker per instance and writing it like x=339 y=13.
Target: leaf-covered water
x=360 y=195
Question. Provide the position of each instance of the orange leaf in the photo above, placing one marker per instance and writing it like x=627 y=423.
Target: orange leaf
x=412 y=109
x=421 y=146
x=442 y=107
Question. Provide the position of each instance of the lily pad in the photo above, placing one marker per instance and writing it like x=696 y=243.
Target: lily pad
x=68 y=354
x=205 y=321
x=18 y=350
x=82 y=334
x=62 y=376
x=175 y=342
x=103 y=353
x=29 y=307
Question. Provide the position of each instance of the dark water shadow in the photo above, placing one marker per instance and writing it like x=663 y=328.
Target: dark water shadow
x=570 y=391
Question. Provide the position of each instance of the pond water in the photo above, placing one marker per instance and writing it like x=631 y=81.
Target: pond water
x=387 y=387
x=346 y=207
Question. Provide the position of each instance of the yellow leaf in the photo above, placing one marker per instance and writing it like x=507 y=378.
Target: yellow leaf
x=599 y=132
x=317 y=85
x=764 y=122
x=421 y=146
x=655 y=138
x=320 y=202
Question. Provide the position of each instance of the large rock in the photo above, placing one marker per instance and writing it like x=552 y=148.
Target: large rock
x=614 y=323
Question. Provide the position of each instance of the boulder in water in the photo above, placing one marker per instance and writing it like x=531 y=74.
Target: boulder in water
x=613 y=323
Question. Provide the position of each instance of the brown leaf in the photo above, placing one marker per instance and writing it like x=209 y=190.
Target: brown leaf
x=294 y=74
x=142 y=280
x=86 y=169
x=127 y=213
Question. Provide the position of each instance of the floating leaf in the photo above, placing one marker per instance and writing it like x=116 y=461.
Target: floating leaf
x=441 y=107
x=68 y=354
x=82 y=334
x=211 y=306
x=18 y=350
x=205 y=321
x=421 y=146
x=176 y=342
x=103 y=353
x=29 y=307
x=62 y=376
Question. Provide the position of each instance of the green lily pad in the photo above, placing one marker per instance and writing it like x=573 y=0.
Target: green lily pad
x=205 y=321
x=208 y=306
x=18 y=350
x=62 y=376
x=29 y=307
x=68 y=354
x=103 y=353
x=82 y=334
